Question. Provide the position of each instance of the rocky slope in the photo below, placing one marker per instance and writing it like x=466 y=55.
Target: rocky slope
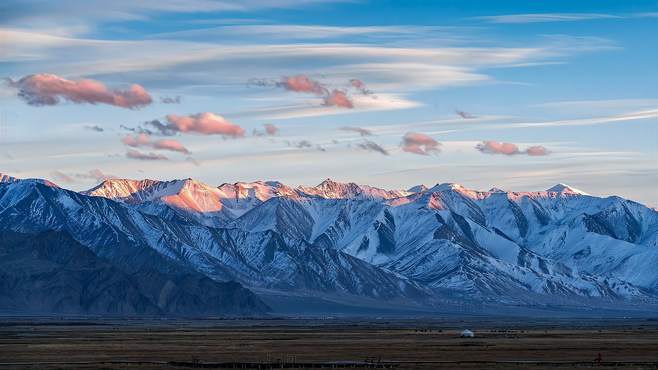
x=416 y=247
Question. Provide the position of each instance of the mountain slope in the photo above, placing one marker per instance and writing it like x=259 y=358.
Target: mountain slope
x=356 y=243
x=50 y=272
x=123 y=233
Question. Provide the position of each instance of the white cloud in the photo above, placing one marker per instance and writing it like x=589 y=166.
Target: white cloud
x=545 y=17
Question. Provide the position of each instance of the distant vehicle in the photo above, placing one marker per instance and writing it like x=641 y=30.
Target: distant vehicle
x=467 y=334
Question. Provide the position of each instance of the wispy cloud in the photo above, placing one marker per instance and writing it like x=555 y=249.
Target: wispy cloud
x=559 y=17
x=464 y=115
x=95 y=128
x=82 y=16
x=171 y=145
x=629 y=116
x=372 y=147
x=143 y=140
x=95 y=174
x=136 y=154
x=61 y=177
x=545 y=17
x=47 y=89
x=360 y=130
x=170 y=99
x=268 y=130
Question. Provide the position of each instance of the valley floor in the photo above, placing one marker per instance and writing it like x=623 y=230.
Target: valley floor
x=397 y=343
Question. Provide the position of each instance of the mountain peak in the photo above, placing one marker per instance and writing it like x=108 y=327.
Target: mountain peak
x=417 y=189
x=565 y=189
x=448 y=186
x=7 y=178
x=4 y=178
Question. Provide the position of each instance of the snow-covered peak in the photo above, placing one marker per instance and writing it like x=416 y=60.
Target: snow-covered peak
x=136 y=191
x=7 y=178
x=4 y=178
x=187 y=194
x=260 y=190
x=417 y=189
x=447 y=186
x=565 y=189
x=335 y=190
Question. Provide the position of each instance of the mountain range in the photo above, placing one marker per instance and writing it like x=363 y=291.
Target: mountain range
x=182 y=247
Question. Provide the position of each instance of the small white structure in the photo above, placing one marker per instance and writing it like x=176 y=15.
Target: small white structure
x=467 y=334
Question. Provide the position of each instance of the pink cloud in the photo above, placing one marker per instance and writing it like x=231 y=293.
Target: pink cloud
x=418 y=143
x=136 y=141
x=495 y=147
x=135 y=154
x=170 y=144
x=48 y=89
x=302 y=83
x=98 y=175
x=537 y=150
x=94 y=174
x=143 y=140
x=357 y=84
x=59 y=176
x=204 y=123
x=338 y=98
x=360 y=86
x=270 y=129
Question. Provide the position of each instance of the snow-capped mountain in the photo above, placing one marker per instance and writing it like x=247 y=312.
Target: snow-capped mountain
x=349 y=242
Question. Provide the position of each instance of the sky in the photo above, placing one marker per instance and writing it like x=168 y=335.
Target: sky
x=518 y=95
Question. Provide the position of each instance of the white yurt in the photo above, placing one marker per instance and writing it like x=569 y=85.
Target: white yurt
x=467 y=334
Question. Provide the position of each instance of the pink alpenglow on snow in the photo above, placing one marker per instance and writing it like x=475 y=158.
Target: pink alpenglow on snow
x=338 y=98
x=204 y=123
x=48 y=89
x=417 y=143
x=495 y=147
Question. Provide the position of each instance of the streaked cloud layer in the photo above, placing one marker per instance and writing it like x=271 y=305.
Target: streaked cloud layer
x=303 y=90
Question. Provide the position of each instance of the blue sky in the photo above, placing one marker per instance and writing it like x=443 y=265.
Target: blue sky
x=574 y=82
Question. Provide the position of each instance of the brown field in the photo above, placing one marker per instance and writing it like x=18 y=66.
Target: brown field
x=402 y=344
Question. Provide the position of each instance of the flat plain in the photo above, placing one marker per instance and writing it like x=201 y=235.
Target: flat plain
x=93 y=343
